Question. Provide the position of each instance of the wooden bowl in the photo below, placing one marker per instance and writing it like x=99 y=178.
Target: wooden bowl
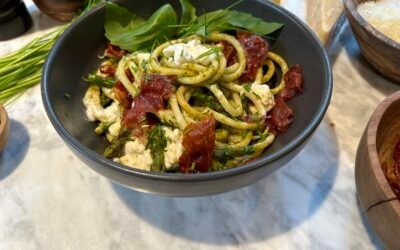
x=4 y=127
x=61 y=10
x=377 y=199
x=380 y=51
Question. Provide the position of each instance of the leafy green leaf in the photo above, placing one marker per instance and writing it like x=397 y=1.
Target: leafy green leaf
x=188 y=12
x=157 y=143
x=119 y=19
x=131 y=33
x=224 y=20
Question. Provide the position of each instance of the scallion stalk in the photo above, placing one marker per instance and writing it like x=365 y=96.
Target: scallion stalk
x=21 y=70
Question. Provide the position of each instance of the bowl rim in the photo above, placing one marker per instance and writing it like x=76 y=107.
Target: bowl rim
x=372 y=129
x=351 y=7
x=179 y=177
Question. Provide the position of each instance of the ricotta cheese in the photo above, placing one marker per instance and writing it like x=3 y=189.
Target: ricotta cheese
x=174 y=147
x=189 y=52
x=263 y=92
x=136 y=155
x=94 y=110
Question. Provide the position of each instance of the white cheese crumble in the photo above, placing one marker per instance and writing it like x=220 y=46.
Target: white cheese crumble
x=189 y=52
x=263 y=92
x=94 y=110
x=174 y=147
x=136 y=155
x=384 y=15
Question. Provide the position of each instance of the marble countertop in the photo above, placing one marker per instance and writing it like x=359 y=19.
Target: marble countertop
x=50 y=200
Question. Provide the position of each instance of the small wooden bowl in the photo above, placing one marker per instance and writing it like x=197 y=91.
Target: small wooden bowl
x=380 y=51
x=61 y=10
x=377 y=199
x=4 y=127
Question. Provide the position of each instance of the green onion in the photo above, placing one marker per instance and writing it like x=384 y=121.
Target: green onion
x=22 y=69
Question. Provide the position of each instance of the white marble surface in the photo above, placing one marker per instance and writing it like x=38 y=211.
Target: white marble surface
x=50 y=200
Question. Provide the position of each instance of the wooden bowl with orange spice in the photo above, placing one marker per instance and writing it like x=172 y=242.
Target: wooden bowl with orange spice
x=377 y=171
x=377 y=44
x=4 y=127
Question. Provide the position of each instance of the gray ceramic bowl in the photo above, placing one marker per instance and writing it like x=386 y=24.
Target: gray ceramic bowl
x=76 y=53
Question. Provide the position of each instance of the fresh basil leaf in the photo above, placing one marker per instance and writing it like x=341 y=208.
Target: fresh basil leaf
x=136 y=34
x=224 y=20
x=119 y=20
x=252 y=24
x=188 y=12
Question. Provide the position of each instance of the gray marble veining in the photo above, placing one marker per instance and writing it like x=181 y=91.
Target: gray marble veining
x=50 y=200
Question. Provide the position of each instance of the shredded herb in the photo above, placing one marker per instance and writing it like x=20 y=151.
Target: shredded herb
x=104 y=100
x=245 y=102
x=210 y=101
x=254 y=93
x=157 y=142
x=144 y=66
x=247 y=87
x=209 y=52
x=67 y=96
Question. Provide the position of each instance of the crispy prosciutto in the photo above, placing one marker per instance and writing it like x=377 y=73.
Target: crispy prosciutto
x=153 y=91
x=293 y=81
x=108 y=68
x=256 y=50
x=114 y=51
x=198 y=142
x=280 y=117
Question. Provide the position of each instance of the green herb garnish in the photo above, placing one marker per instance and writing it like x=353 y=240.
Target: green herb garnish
x=209 y=52
x=157 y=143
x=247 y=87
x=104 y=100
x=210 y=101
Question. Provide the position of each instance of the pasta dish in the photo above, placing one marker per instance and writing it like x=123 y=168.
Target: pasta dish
x=192 y=103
